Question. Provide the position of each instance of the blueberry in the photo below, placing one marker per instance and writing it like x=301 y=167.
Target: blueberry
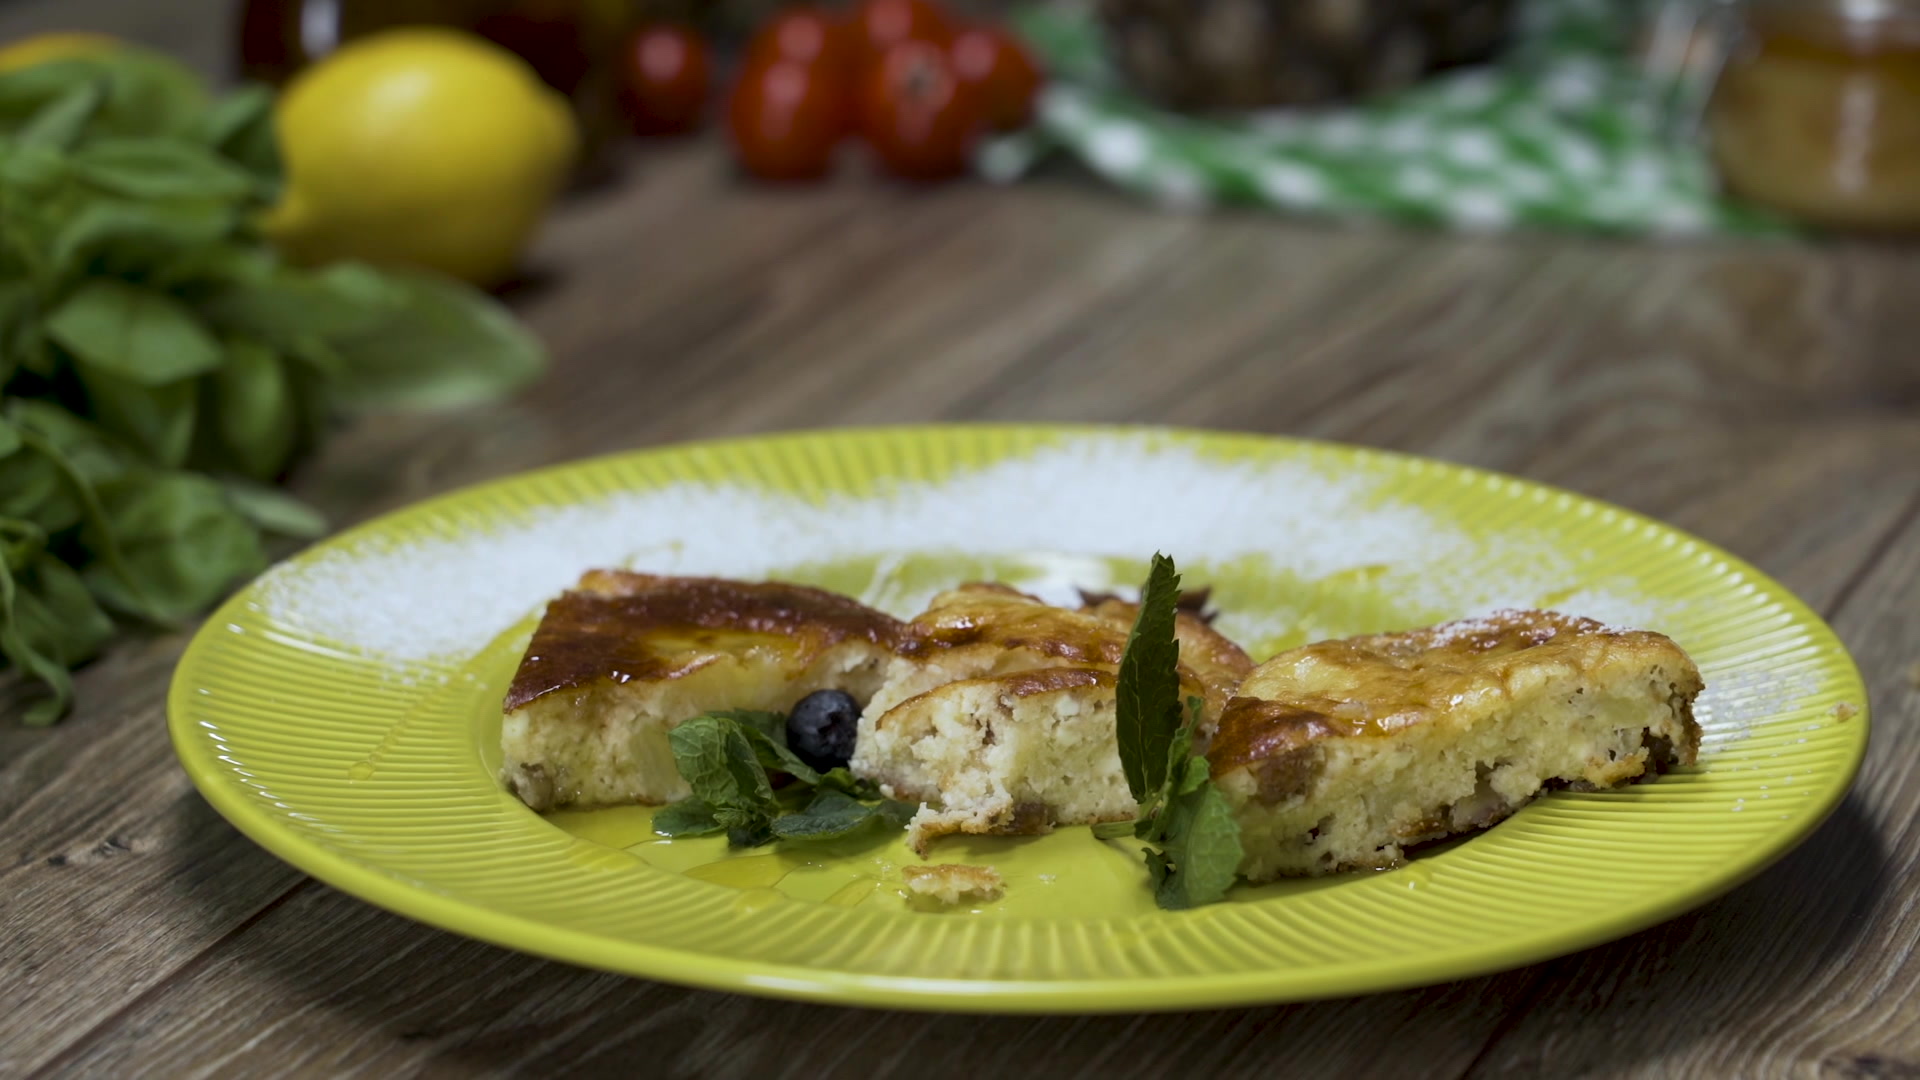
x=821 y=727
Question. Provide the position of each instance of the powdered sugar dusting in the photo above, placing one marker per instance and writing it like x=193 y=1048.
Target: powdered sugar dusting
x=1119 y=496
x=1733 y=703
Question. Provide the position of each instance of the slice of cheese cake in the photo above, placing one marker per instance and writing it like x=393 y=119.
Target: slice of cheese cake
x=1339 y=755
x=999 y=713
x=622 y=658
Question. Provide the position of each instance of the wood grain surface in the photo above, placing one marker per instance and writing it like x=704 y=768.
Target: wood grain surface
x=1765 y=398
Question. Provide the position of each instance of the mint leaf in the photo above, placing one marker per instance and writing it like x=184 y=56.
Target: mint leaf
x=1202 y=850
x=720 y=764
x=136 y=334
x=688 y=817
x=833 y=814
x=1193 y=848
x=1148 y=685
x=830 y=814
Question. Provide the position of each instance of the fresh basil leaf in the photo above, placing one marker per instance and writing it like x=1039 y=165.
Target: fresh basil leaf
x=160 y=168
x=158 y=420
x=292 y=309
x=59 y=122
x=254 y=410
x=830 y=814
x=81 y=446
x=240 y=126
x=448 y=345
x=9 y=437
x=274 y=511
x=150 y=93
x=146 y=92
x=688 y=817
x=56 y=614
x=26 y=91
x=35 y=664
x=136 y=334
x=19 y=324
x=1203 y=849
x=145 y=235
x=209 y=269
x=33 y=488
x=1148 y=688
x=181 y=540
x=32 y=170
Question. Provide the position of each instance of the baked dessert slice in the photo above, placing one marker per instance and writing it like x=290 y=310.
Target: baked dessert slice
x=998 y=717
x=622 y=658
x=1339 y=755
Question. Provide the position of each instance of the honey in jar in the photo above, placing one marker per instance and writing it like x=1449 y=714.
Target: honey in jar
x=1816 y=112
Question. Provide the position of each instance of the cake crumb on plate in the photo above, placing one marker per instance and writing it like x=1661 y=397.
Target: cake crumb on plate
x=951 y=883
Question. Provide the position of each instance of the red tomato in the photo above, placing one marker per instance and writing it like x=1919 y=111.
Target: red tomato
x=920 y=119
x=786 y=119
x=879 y=25
x=665 y=72
x=807 y=34
x=1001 y=71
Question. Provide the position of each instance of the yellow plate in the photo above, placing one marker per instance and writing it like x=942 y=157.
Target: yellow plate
x=343 y=711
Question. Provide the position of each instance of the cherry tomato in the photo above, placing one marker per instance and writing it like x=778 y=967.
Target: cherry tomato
x=1001 y=71
x=786 y=119
x=665 y=79
x=878 y=25
x=920 y=119
x=807 y=34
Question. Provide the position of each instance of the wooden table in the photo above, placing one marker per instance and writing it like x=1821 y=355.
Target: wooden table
x=1768 y=400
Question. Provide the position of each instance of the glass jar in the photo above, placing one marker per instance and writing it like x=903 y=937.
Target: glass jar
x=1816 y=112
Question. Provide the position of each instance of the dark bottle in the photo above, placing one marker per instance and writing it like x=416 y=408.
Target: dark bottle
x=571 y=44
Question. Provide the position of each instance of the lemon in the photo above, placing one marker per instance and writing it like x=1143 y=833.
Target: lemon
x=63 y=45
x=422 y=147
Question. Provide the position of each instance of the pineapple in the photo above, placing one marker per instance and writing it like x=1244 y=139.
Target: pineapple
x=1244 y=54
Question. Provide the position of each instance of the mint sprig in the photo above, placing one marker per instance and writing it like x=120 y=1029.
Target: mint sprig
x=1193 y=847
x=727 y=759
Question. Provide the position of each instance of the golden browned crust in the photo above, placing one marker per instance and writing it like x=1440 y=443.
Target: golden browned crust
x=1220 y=664
x=1018 y=684
x=995 y=615
x=982 y=615
x=622 y=626
x=1382 y=683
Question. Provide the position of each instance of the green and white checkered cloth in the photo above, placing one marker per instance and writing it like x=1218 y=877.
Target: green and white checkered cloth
x=1566 y=132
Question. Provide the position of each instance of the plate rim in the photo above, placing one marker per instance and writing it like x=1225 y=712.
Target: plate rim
x=399 y=895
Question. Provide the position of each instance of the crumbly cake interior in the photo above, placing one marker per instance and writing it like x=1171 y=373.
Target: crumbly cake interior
x=1340 y=755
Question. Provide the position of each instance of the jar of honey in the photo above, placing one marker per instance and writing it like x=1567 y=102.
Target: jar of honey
x=1816 y=111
